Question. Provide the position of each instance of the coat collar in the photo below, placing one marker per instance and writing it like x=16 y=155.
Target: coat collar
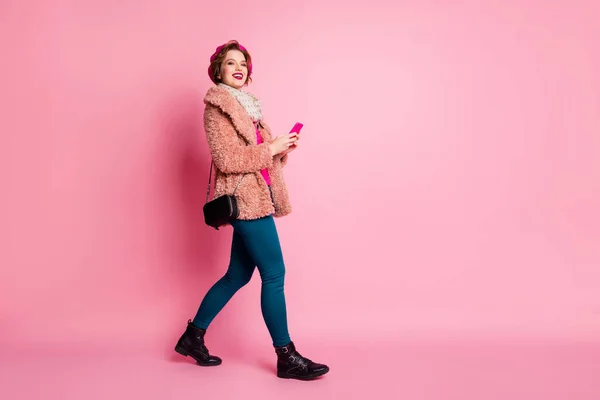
x=221 y=98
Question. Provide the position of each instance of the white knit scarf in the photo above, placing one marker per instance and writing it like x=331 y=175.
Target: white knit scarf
x=251 y=104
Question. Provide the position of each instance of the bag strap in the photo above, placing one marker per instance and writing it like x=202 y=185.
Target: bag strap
x=210 y=180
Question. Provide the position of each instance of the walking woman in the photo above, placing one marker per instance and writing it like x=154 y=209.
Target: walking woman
x=248 y=160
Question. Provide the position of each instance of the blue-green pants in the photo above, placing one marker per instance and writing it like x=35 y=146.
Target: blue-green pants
x=255 y=244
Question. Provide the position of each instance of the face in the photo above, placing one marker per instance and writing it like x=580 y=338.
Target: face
x=234 y=69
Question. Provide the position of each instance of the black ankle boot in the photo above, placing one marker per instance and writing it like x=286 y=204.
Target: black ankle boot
x=191 y=344
x=291 y=364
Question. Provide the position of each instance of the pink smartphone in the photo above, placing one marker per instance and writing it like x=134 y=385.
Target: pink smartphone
x=297 y=127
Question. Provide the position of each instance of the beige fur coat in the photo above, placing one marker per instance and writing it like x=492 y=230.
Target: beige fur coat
x=232 y=141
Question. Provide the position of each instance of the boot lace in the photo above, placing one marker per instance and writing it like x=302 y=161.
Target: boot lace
x=203 y=347
x=299 y=360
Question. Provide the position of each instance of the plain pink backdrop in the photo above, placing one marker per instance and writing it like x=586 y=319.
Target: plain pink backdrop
x=447 y=183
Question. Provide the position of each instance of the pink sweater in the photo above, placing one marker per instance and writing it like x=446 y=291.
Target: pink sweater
x=264 y=171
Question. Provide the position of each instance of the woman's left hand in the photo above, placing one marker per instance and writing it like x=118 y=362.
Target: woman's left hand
x=291 y=148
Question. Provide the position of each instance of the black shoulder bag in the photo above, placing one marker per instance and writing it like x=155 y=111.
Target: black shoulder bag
x=222 y=210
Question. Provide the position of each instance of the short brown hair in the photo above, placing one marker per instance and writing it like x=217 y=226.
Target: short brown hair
x=217 y=58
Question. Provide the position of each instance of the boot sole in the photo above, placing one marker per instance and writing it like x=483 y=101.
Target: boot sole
x=181 y=350
x=283 y=375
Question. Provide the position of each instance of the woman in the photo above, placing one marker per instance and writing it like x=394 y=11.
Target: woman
x=246 y=157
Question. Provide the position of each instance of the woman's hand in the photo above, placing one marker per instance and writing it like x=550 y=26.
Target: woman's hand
x=283 y=144
x=290 y=149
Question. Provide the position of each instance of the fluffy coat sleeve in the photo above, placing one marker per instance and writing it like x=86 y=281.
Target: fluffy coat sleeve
x=229 y=155
x=284 y=159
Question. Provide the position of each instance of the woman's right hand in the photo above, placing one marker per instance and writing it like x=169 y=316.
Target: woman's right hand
x=282 y=143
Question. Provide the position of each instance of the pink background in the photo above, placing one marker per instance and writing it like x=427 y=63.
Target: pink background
x=447 y=184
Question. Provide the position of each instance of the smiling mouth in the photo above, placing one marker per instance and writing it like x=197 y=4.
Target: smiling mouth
x=238 y=76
